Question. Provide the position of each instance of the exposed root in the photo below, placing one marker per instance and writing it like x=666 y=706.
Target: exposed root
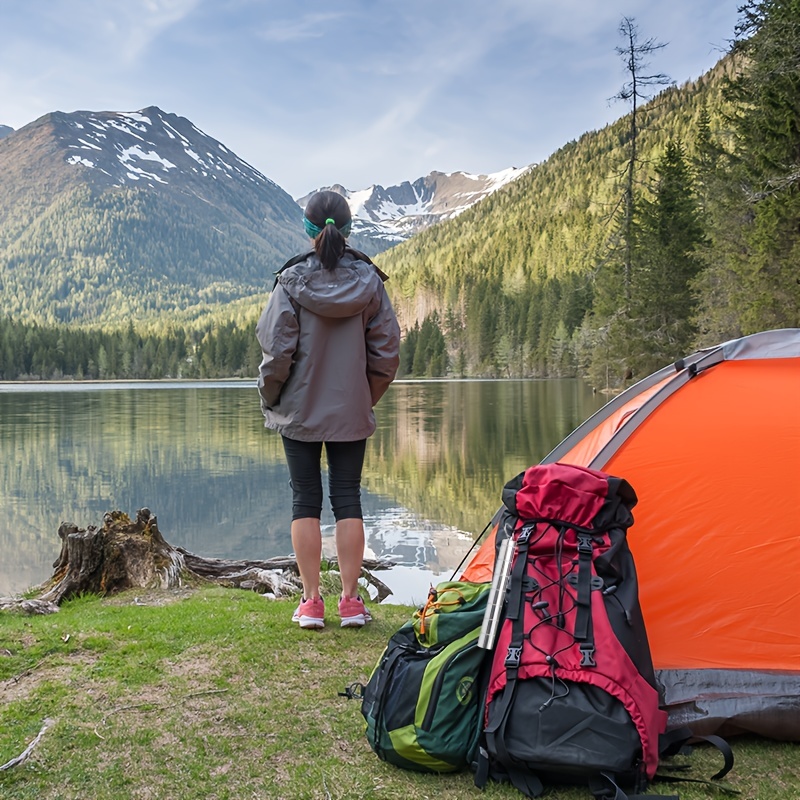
x=25 y=754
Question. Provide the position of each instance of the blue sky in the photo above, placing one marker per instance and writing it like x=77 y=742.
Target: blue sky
x=356 y=91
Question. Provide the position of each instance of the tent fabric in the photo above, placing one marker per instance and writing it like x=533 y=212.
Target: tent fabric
x=711 y=446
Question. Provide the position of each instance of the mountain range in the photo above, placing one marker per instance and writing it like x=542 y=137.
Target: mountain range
x=111 y=216
x=116 y=219
x=105 y=216
x=386 y=216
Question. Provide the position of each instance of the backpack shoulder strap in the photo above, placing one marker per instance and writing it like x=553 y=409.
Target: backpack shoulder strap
x=290 y=263
x=673 y=742
x=364 y=257
x=305 y=256
x=676 y=741
x=522 y=780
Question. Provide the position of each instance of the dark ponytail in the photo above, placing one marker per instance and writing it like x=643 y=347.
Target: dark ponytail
x=329 y=246
x=327 y=221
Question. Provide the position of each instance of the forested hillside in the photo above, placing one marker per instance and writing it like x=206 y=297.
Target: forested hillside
x=135 y=255
x=109 y=217
x=675 y=227
x=217 y=346
x=512 y=280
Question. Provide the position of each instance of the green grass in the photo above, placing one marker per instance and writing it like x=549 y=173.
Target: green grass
x=214 y=693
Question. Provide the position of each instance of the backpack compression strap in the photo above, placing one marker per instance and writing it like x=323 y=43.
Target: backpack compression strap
x=524 y=780
x=583 y=617
x=606 y=788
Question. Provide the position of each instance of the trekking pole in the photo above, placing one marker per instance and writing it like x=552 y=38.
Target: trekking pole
x=497 y=594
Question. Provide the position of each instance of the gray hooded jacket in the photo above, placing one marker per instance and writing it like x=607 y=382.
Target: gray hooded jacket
x=330 y=343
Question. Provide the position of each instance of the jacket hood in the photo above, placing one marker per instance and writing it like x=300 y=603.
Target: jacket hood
x=341 y=292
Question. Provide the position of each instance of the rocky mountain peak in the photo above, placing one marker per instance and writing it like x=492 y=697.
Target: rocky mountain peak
x=389 y=215
x=145 y=147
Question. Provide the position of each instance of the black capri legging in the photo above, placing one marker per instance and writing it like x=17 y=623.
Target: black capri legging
x=345 y=463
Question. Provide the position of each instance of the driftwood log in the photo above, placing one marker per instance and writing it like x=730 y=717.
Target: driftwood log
x=130 y=553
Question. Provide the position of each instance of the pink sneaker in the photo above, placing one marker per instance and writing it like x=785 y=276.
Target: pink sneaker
x=310 y=613
x=353 y=612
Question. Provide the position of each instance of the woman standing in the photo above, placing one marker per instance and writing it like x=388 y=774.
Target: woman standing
x=330 y=343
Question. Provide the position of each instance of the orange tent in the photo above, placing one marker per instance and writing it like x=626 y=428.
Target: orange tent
x=711 y=445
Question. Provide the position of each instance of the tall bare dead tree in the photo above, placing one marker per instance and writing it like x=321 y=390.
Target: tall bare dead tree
x=635 y=53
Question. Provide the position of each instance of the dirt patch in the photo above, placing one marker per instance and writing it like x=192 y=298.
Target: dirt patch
x=150 y=597
x=20 y=640
x=193 y=664
x=22 y=686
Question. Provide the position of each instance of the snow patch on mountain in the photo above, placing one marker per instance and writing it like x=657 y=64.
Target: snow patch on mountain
x=390 y=215
x=147 y=145
x=152 y=148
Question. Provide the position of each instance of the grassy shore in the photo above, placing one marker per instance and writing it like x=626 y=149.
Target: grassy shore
x=213 y=693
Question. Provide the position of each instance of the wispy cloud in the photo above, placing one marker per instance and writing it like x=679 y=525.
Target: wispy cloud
x=136 y=24
x=402 y=87
x=309 y=26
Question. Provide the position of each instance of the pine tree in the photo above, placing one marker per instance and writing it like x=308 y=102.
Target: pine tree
x=430 y=351
x=719 y=200
x=768 y=149
x=667 y=262
x=408 y=349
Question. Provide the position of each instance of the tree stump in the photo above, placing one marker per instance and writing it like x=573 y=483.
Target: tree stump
x=123 y=554
x=132 y=554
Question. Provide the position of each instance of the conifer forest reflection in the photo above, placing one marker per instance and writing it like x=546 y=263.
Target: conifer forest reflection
x=199 y=457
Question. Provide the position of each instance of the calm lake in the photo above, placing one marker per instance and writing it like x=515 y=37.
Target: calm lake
x=197 y=455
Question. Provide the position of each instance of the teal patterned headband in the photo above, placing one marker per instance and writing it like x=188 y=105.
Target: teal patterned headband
x=314 y=230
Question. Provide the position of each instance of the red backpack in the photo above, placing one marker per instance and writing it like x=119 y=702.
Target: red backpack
x=572 y=695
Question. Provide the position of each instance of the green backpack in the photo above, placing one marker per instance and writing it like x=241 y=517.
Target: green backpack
x=422 y=703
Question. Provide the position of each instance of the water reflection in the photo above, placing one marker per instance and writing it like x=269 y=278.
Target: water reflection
x=199 y=457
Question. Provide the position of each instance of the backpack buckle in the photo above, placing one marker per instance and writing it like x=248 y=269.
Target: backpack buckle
x=513 y=656
x=525 y=533
x=584 y=543
x=587 y=655
x=596 y=583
